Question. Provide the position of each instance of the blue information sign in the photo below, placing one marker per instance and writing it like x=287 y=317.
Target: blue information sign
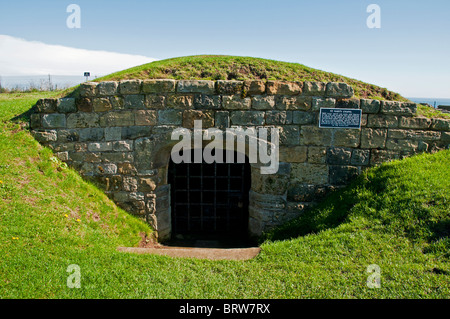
x=340 y=118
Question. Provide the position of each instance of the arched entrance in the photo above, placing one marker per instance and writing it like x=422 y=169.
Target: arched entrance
x=210 y=201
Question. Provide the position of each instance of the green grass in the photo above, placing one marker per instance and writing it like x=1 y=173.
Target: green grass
x=430 y=112
x=396 y=216
x=219 y=67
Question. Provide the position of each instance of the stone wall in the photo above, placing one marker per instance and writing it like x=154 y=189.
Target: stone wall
x=119 y=135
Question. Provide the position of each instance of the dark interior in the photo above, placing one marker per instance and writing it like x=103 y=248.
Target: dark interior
x=210 y=203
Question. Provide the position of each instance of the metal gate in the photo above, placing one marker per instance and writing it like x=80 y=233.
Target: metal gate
x=210 y=200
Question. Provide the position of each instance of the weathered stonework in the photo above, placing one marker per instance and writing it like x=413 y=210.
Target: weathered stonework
x=118 y=134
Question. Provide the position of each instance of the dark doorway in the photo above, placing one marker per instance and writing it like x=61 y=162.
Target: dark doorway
x=210 y=201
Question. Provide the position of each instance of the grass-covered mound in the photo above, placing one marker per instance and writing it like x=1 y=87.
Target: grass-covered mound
x=219 y=67
x=408 y=198
x=395 y=216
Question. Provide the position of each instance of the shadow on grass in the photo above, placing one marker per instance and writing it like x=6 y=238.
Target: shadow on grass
x=25 y=116
x=334 y=209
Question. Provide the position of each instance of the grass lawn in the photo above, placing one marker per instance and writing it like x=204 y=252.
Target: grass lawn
x=222 y=67
x=396 y=216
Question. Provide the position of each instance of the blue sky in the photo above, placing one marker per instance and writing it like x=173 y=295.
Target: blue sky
x=410 y=54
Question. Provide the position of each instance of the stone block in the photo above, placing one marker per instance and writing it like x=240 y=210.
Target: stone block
x=445 y=136
x=398 y=108
x=415 y=122
x=117 y=118
x=88 y=89
x=100 y=147
x=364 y=118
x=222 y=119
x=229 y=87
x=309 y=173
x=414 y=134
x=381 y=156
x=84 y=104
x=62 y=156
x=373 y=138
x=289 y=135
x=338 y=90
x=348 y=103
x=145 y=117
x=247 y=117
x=133 y=132
x=130 y=184
x=339 y=156
x=46 y=105
x=279 y=117
x=293 y=154
x=196 y=86
x=299 y=192
x=111 y=183
x=235 y=102
x=360 y=157
x=45 y=136
x=88 y=157
x=170 y=117
x=106 y=168
x=317 y=154
x=122 y=146
x=302 y=117
x=318 y=103
x=313 y=135
x=113 y=133
x=66 y=105
x=107 y=88
x=202 y=101
x=182 y=102
x=261 y=102
x=266 y=203
x=254 y=87
x=347 y=137
x=121 y=196
x=116 y=102
x=440 y=125
x=126 y=169
x=302 y=103
x=314 y=88
x=158 y=86
x=189 y=116
x=283 y=88
x=402 y=145
x=269 y=184
x=53 y=120
x=67 y=136
x=130 y=87
x=370 y=106
x=147 y=152
x=134 y=101
x=91 y=134
x=82 y=120
x=117 y=157
x=155 y=101
x=35 y=120
x=147 y=184
x=101 y=105
x=382 y=121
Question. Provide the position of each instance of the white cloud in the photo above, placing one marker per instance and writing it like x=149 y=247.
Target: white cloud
x=22 y=57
